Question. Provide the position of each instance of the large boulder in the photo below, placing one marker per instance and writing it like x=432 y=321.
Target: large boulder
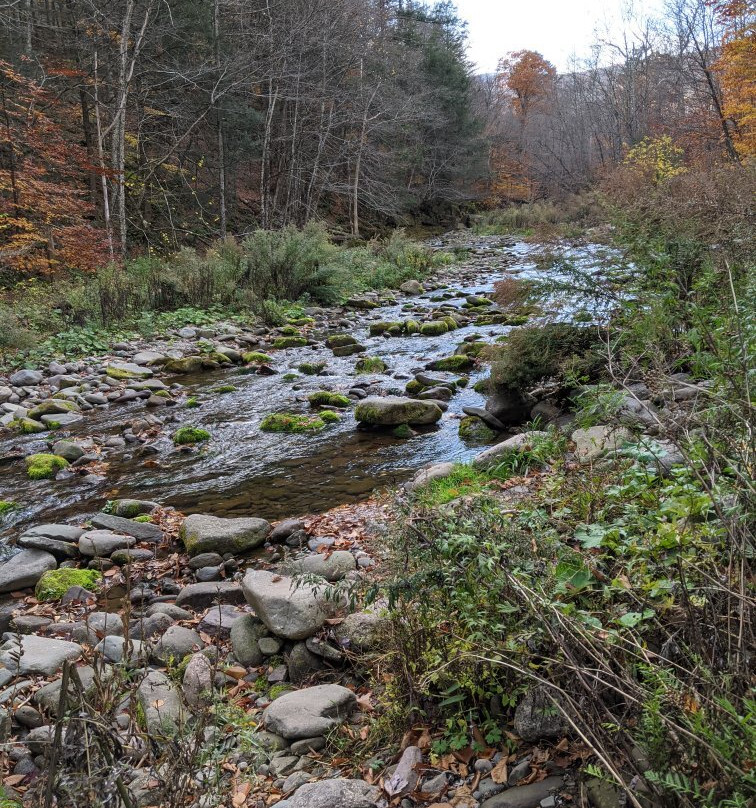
x=127 y=370
x=24 y=569
x=514 y=445
x=509 y=407
x=288 y=610
x=211 y=534
x=25 y=377
x=245 y=632
x=101 y=543
x=309 y=712
x=336 y=793
x=28 y=653
x=200 y=596
x=435 y=472
x=395 y=410
x=331 y=566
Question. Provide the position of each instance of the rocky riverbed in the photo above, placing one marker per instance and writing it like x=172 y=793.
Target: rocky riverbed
x=169 y=563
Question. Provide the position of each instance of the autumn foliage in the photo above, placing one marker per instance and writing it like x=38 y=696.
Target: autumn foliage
x=45 y=218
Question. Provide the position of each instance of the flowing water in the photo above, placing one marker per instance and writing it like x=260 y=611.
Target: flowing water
x=243 y=471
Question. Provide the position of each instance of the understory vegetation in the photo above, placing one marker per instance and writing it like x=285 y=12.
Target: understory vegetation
x=621 y=589
x=259 y=277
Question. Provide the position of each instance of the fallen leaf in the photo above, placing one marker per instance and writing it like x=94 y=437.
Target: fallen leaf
x=500 y=772
x=241 y=794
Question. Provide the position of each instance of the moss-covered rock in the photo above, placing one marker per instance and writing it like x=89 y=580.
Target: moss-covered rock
x=411 y=327
x=188 y=435
x=413 y=387
x=224 y=388
x=289 y=342
x=292 y=423
x=371 y=364
x=28 y=426
x=185 y=365
x=473 y=349
x=53 y=406
x=339 y=340
x=289 y=331
x=311 y=368
x=256 y=358
x=376 y=329
x=127 y=370
x=7 y=505
x=473 y=430
x=396 y=410
x=191 y=402
x=434 y=329
x=44 y=466
x=451 y=323
x=328 y=399
x=403 y=431
x=329 y=416
x=301 y=321
x=455 y=363
x=348 y=350
x=55 y=583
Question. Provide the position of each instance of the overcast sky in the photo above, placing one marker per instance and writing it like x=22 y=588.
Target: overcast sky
x=556 y=28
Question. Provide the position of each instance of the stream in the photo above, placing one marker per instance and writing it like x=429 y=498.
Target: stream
x=243 y=471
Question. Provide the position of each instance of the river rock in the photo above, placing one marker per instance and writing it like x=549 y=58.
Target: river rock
x=288 y=610
x=143 y=531
x=149 y=358
x=186 y=365
x=529 y=796
x=489 y=420
x=161 y=705
x=245 y=633
x=509 y=407
x=24 y=569
x=62 y=550
x=197 y=683
x=25 y=378
x=127 y=370
x=202 y=595
x=302 y=664
x=591 y=443
x=537 y=718
x=101 y=543
x=28 y=653
x=395 y=410
x=67 y=533
x=48 y=696
x=64 y=419
x=219 y=620
x=337 y=793
x=435 y=472
x=362 y=631
x=68 y=450
x=176 y=643
x=130 y=508
x=331 y=566
x=52 y=406
x=202 y=533
x=309 y=712
x=412 y=287
x=513 y=445
x=120 y=649
x=284 y=529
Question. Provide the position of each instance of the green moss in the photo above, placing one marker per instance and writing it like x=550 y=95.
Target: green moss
x=340 y=340
x=289 y=342
x=482 y=386
x=414 y=387
x=371 y=364
x=143 y=517
x=161 y=393
x=471 y=348
x=348 y=350
x=434 y=329
x=311 y=368
x=278 y=690
x=291 y=422
x=256 y=358
x=412 y=327
x=402 y=431
x=300 y=321
x=328 y=399
x=28 y=426
x=44 y=466
x=186 y=435
x=55 y=583
x=191 y=403
x=379 y=328
x=6 y=505
x=473 y=430
x=329 y=416
x=289 y=331
x=289 y=377
x=451 y=323
x=224 y=388
x=455 y=363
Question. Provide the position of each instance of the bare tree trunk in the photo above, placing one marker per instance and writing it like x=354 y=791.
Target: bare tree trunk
x=219 y=124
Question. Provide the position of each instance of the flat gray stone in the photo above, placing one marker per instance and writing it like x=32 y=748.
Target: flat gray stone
x=32 y=654
x=127 y=370
x=161 y=705
x=62 y=550
x=202 y=595
x=60 y=532
x=336 y=793
x=24 y=569
x=309 y=712
x=529 y=796
x=332 y=567
x=25 y=378
x=101 y=543
x=290 y=611
x=119 y=649
x=176 y=643
x=143 y=531
x=395 y=410
x=591 y=443
x=202 y=533
x=435 y=472
x=246 y=631
x=513 y=445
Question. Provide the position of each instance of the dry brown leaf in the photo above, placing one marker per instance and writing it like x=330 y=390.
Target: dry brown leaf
x=500 y=772
x=241 y=794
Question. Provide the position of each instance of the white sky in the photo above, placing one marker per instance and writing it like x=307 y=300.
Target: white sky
x=558 y=29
